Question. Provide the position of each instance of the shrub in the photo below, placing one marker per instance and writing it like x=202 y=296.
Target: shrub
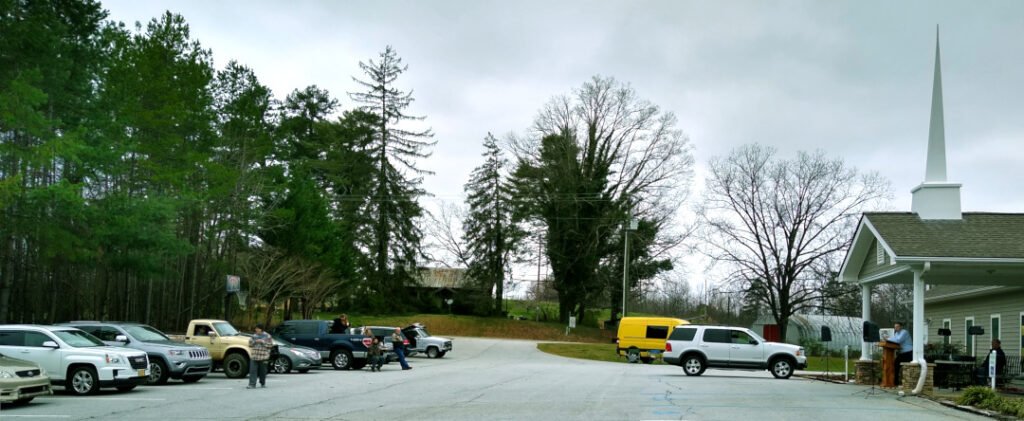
x=975 y=395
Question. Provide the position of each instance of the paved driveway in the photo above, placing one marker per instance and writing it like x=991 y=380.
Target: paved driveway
x=485 y=379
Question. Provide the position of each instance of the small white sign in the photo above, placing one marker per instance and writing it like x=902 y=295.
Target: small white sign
x=233 y=284
x=572 y=322
x=992 y=368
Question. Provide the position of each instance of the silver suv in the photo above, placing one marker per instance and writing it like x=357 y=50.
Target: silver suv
x=167 y=359
x=695 y=348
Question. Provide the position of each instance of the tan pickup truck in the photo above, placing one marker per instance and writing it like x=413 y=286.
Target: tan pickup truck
x=228 y=347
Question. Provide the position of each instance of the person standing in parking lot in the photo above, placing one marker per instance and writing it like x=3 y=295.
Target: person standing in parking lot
x=260 y=343
x=399 y=342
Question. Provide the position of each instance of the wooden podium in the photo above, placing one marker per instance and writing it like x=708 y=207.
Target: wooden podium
x=889 y=368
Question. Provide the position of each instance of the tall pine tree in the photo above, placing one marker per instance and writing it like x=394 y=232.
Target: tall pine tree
x=490 y=234
x=394 y=240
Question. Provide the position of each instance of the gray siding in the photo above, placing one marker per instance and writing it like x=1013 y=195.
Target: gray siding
x=870 y=265
x=1007 y=304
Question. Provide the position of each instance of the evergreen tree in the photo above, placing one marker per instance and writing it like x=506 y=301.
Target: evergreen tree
x=490 y=235
x=394 y=240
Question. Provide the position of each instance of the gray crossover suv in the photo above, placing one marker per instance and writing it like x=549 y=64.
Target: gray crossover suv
x=167 y=359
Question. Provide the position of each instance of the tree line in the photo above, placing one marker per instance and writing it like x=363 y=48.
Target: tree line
x=134 y=176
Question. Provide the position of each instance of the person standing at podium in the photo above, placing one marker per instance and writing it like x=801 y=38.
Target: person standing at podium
x=906 y=355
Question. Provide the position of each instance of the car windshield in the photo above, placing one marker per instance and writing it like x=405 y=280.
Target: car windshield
x=146 y=333
x=225 y=329
x=423 y=332
x=78 y=338
x=755 y=336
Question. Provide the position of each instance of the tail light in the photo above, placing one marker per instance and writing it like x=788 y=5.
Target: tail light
x=668 y=347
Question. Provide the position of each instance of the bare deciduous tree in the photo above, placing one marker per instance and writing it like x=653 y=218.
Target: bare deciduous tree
x=773 y=222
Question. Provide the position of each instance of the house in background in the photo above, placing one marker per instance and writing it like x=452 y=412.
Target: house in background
x=438 y=285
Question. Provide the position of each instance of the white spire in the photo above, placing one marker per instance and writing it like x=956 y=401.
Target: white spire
x=936 y=198
x=935 y=170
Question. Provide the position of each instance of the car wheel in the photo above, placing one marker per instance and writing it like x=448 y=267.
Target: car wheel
x=190 y=379
x=432 y=352
x=157 y=372
x=341 y=359
x=281 y=365
x=782 y=368
x=83 y=381
x=441 y=354
x=236 y=366
x=126 y=388
x=693 y=365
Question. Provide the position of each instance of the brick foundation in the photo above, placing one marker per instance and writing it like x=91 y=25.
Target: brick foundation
x=869 y=372
x=910 y=374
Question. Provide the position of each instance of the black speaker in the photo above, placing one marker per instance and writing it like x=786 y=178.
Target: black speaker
x=871 y=332
x=945 y=332
x=826 y=334
x=975 y=330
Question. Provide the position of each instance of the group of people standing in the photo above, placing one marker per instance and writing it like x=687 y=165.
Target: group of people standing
x=906 y=355
x=376 y=347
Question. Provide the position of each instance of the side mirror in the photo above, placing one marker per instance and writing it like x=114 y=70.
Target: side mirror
x=121 y=338
x=753 y=341
x=50 y=344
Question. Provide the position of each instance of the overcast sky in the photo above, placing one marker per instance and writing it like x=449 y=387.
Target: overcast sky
x=852 y=78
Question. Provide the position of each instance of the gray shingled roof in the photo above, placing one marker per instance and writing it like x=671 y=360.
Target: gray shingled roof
x=992 y=235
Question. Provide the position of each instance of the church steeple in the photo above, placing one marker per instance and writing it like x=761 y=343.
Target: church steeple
x=935 y=170
x=936 y=198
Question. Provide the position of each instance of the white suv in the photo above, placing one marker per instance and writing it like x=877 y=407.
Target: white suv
x=695 y=348
x=74 y=359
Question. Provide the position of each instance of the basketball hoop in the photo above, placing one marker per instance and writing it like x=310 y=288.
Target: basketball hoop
x=242 y=296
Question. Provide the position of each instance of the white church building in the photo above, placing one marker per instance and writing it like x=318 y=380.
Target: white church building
x=966 y=268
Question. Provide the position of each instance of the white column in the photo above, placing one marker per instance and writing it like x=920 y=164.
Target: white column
x=865 y=310
x=919 y=326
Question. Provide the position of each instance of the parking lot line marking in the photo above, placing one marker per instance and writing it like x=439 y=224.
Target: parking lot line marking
x=35 y=416
x=128 y=399
x=211 y=388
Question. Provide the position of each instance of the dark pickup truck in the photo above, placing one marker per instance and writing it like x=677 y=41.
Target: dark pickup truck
x=343 y=351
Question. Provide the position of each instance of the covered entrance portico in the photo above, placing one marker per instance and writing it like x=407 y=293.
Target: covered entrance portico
x=980 y=249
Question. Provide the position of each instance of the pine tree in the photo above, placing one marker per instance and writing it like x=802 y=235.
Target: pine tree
x=394 y=240
x=490 y=234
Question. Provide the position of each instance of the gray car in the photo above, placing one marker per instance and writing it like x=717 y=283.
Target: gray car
x=167 y=359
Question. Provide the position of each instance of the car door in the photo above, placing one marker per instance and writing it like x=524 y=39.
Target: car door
x=716 y=343
x=48 y=358
x=745 y=351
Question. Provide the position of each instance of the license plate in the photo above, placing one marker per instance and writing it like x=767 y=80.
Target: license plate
x=142 y=372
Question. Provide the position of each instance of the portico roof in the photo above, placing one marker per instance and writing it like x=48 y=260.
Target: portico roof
x=980 y=249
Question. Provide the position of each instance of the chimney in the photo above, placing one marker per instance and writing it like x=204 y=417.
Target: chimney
x=936 y=198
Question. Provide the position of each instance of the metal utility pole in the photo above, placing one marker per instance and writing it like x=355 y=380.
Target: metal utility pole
x=631 y=225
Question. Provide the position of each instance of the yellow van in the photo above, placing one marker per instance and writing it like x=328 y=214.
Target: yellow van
x=644 y=337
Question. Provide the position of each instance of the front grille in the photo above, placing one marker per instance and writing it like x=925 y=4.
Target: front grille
x=35 y=389
x=448 y=345
x=138 y=362
x=198 y=354
x=27 y=373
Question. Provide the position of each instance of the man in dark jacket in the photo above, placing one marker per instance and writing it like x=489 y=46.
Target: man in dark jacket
x=982 y=372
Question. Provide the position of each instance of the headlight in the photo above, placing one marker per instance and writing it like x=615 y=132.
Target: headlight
x=113 y=359
x=4 y=374
x=42 y=371
x=800 y=352
x=176 y=352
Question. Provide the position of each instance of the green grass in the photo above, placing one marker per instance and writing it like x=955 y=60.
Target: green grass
x=596 y=352
x=835 y=364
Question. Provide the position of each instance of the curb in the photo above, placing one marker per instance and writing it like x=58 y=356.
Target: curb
x=973 y=410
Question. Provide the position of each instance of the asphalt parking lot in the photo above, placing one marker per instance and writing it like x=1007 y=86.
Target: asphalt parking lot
x=494 y=379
